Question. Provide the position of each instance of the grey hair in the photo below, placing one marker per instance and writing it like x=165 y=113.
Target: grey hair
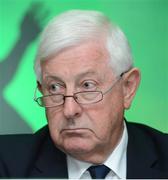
x=76 y=26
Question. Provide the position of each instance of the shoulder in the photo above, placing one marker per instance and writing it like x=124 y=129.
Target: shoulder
x=17 y=151
x=147 y=135
x=22 y=140
x=147 y=151
x=141 y=130
x=147 y=141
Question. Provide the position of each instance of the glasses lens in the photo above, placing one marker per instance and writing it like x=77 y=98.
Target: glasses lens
x=88 y=97
x=51 y=100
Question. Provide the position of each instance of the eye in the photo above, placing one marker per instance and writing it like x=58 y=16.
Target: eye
x=89 y=85
x=56 y=88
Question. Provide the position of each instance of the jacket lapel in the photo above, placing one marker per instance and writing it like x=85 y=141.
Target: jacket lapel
x=51 y=162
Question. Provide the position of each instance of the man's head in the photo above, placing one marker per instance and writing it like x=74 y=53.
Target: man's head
x=77 y=26
x=87 y=60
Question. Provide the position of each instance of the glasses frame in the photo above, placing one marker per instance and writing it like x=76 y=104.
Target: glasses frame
x=80 y=92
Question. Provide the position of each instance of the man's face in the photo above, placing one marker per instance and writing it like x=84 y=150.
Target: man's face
x=87 y=132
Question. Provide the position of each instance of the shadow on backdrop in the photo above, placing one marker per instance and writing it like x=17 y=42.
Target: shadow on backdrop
x=30 y=27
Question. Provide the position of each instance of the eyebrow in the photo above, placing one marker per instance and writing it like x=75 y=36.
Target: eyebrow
x=52 y=77
x=99 y=77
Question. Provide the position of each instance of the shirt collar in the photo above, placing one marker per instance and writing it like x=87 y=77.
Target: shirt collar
x=76 y=168
x=117 y=160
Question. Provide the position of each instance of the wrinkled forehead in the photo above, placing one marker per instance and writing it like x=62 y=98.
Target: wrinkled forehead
x=87 y=58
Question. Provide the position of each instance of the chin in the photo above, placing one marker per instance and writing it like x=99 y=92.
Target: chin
x=77 y=146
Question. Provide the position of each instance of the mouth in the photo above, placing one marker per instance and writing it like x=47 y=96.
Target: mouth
x=74 y=131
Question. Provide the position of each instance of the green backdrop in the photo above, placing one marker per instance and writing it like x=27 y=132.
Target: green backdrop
x=145 y=23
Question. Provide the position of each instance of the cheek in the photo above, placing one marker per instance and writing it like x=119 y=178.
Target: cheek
x=100 y=119
x=106 y=115
x=55 y=122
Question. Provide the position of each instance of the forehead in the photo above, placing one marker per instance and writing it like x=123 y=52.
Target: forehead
x=88 y=58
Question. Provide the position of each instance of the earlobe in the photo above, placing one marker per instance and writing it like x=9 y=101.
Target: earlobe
x=130 y=85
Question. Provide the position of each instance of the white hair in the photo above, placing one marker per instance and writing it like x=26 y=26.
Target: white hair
x=77 y=26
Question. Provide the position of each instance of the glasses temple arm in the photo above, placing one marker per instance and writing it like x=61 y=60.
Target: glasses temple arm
x=117 y=79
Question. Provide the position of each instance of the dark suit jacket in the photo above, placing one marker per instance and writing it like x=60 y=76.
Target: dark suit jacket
x=35 y=156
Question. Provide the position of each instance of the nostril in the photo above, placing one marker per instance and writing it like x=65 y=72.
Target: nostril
x=71 y=108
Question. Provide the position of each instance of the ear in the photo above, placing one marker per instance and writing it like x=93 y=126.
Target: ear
x=39 y=86
x=130 y=85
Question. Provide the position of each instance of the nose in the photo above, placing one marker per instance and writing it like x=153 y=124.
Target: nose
x=71 y=108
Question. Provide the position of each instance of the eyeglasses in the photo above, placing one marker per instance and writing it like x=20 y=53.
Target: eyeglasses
x=83 y=97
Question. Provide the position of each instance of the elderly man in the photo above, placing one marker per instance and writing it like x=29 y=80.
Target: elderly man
x=87 y=80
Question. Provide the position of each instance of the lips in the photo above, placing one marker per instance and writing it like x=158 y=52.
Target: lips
x=74 y=130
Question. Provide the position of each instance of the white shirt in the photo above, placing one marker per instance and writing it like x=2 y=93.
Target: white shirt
x=116 y=162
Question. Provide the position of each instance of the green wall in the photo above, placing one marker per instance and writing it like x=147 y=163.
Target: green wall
x=145 y=23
